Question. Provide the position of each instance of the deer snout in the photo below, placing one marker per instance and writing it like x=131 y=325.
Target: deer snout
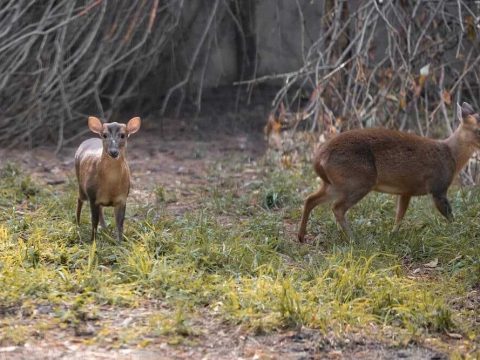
x=113 y=153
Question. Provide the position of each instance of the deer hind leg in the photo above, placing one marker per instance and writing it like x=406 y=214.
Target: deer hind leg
x=349 y=198
x=101 y=218
x=323 y=195
x=402 y=205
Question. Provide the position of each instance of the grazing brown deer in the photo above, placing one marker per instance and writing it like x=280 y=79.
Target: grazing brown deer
x=102 y=171
x=359 y=161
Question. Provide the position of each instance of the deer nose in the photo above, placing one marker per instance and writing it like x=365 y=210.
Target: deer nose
x=113 y=153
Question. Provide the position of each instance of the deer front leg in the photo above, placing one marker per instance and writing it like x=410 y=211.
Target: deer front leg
x=443 y=205
x=119 y=218
x=95 y=210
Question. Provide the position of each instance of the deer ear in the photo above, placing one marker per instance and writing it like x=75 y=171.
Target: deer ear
x=133 y=125
x=95 y=125
x=467 y=109
x=282 y=113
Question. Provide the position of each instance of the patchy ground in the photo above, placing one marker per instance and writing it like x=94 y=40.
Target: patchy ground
x=174 y=158
x=226 y=343
x=175 y=175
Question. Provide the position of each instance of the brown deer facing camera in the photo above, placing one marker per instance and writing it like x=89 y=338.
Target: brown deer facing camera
x=359 y=161
x=102 y=171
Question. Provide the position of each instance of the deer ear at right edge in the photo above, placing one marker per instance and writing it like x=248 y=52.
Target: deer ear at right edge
x=465 y=114
x=133 y=125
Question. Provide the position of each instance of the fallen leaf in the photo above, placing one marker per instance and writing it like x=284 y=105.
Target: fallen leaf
x=455 y=259
x=403 y=100
x=424 y=71
x=447 y=98
x=419 y=86
x=432 y=264
x=126 y=322
x=287 y=161
x=391 y=97
x=470 y=27
x=56 y=182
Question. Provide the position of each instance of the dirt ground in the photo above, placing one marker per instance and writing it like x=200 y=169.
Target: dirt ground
x=222 y=343
x=179 y=161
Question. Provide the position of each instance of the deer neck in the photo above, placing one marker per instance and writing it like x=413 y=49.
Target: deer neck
x=114 y=166
x=461 y=147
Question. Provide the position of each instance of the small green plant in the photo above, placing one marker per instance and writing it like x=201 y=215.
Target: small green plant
x=176 y=326
x=290 y=306
x=163 y=196
x=272 y=200
x=160 y=194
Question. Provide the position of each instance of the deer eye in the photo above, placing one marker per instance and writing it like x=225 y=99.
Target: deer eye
x=122 y=136
x=104 y=136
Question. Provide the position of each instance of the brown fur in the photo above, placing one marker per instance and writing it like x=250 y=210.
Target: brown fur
x=104 y=180
x=359 y=161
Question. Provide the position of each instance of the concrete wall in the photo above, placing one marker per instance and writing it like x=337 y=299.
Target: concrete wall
x=279 y=39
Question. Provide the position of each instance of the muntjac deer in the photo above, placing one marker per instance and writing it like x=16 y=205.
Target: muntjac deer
x=359 y=161
x=102 y=171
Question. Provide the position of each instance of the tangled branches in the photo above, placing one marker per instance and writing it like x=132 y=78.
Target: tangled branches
x=62 y=59
x=401 y=64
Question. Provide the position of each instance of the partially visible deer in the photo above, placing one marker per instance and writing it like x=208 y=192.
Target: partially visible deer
x=359 y=161
x=102 y=171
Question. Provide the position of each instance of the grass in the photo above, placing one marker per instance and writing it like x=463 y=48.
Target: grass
x=235 y=258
